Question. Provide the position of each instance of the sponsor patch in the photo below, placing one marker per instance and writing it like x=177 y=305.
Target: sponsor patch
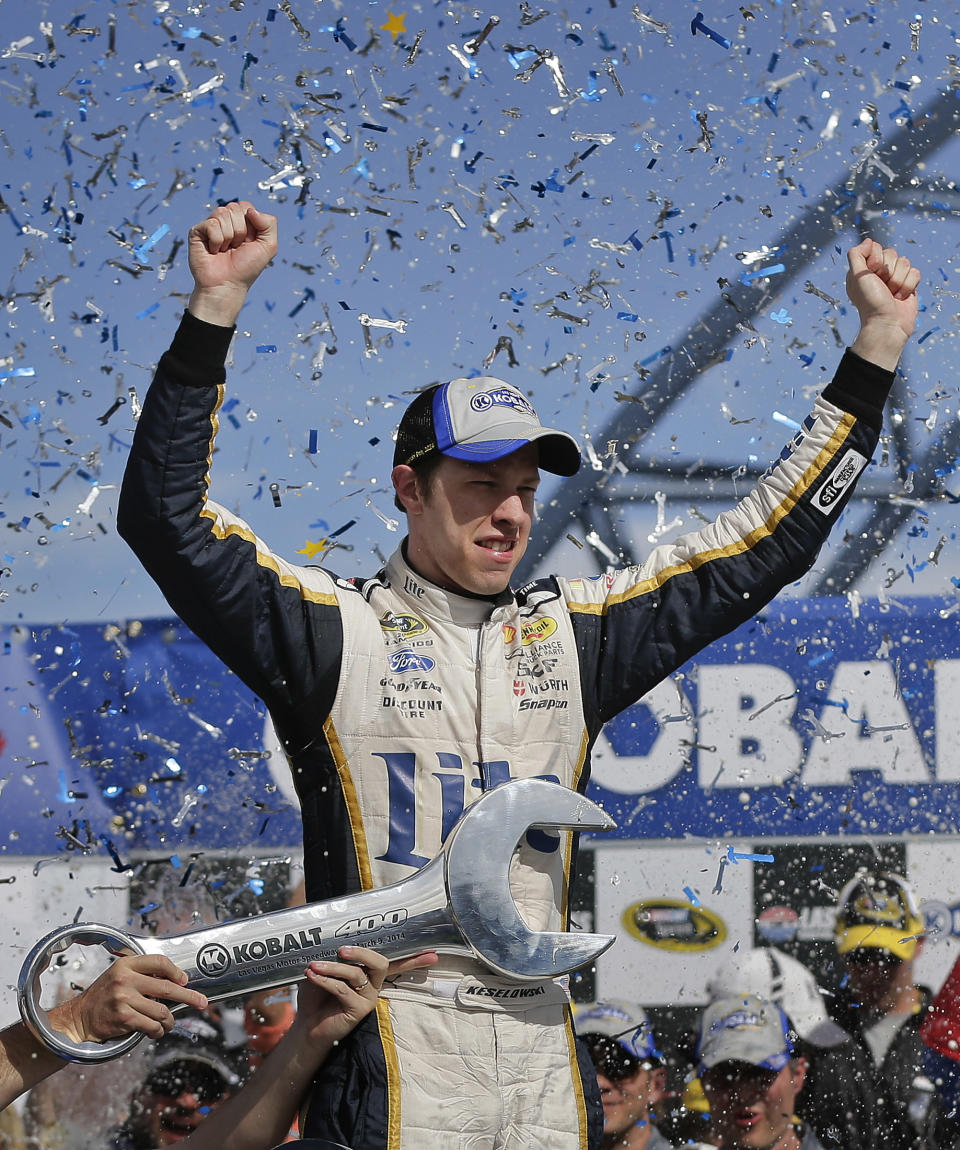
x=670 y=924
x=406 y=660
x=502 y=397
x=409 y=626
x=839 y=480
x=531 y=631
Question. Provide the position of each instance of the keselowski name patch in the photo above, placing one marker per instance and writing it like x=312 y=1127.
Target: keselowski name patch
x=842 y=476
x=491 y=992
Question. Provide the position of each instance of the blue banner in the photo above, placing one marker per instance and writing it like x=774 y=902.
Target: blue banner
x=818 y=717
x=118 y=740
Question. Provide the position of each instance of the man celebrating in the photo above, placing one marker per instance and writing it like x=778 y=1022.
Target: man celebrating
x=400 y=698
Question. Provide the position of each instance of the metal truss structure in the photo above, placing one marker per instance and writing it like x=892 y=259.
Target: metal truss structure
x=887 y=179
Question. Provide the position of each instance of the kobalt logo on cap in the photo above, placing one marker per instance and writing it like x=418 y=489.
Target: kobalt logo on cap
x=842 y=476
x=501 y=397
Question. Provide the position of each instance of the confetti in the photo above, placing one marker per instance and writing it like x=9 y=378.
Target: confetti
x=697 y=25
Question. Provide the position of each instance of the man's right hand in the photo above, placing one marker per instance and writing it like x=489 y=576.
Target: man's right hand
x=228 y=250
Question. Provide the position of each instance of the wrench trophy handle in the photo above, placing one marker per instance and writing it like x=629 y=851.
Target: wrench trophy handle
x=29 y=990
x=459 y=903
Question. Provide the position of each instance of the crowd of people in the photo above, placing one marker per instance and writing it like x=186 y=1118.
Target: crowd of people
x=768 y=1066
x=777 y=1064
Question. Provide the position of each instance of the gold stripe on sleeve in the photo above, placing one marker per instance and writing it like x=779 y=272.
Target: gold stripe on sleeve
x=747 y=543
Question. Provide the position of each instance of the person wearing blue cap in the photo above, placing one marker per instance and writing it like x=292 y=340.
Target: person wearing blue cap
x=751 y=1076
x=630 y=1072
x=400 y=698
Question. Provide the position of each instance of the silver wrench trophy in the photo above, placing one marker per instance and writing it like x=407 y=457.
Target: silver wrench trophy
x=459 y=903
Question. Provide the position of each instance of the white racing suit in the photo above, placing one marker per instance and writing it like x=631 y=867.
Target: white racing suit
x=398 y=703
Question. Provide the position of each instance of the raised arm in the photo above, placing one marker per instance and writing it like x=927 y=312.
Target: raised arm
x=882 y=286
x=253 y=609
x=704 y=584
x=130 y=996
x=227 y=251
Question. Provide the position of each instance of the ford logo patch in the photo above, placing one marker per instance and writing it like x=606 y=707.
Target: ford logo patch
x=407 y=660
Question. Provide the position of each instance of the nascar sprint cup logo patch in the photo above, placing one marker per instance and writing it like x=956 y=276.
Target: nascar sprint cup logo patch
x=839 y=480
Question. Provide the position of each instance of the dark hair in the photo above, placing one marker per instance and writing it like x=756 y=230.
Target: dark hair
x=416 y=445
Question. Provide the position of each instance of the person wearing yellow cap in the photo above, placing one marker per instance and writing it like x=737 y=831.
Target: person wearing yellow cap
x=878 y=934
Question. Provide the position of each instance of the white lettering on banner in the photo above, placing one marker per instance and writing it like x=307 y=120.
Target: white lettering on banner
x=878 y=732
x=946 y=695
x=637 y=774
x=755 y=744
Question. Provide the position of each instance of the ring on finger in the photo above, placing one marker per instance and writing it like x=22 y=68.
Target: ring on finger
x=361 y=985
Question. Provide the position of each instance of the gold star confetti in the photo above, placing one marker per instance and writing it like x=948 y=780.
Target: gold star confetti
x=395 y=25
x=312 y=549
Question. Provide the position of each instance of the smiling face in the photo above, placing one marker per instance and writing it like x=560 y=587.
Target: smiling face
x=469 y=527
x=752 y=1108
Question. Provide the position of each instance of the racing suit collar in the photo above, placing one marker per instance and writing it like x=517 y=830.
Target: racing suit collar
x=427 y=598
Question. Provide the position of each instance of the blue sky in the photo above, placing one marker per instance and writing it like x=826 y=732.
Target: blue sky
x=555 y=207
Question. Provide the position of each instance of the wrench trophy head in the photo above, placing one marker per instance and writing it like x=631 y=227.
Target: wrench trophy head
x=478 y=856
x=29 y=989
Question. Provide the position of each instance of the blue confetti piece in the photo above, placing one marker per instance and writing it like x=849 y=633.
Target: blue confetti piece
x=63 y=791
x=927 y=334
x=747 y=856
x=18 y=373
x=553 y=184
x=628 y=316
x=760 y=273
x=517 y=58
x=697 y=25
x=147 y=311
x=782 y=317
x=592 y=94
x=266 y=348
x=691 y=896
x=787 y=421
x=151 y=241
x=668 y=350
x=314 y=441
